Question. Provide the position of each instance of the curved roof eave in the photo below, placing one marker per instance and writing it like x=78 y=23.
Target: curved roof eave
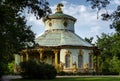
x=61 y=38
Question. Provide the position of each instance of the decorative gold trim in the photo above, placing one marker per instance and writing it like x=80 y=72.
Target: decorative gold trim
x=49 y=22
x=61 y=66
x=74 y=67
x=86 y=68
x=80 y=52
x=68 y=52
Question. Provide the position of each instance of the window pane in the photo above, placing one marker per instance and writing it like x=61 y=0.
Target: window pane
x=67 y=60
x=80 y=61
x=90 y=61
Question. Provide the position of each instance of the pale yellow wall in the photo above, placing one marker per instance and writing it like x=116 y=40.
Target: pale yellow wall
x=17 y=59
x=74 y=54
x=58 y=24
x=86 y=56
x=62 y=55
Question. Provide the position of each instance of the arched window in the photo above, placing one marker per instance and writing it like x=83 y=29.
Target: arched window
x=80 y=59
x=90 y=60
x=67 y=60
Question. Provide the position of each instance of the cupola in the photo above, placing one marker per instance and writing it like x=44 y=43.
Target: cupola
x=59 y=21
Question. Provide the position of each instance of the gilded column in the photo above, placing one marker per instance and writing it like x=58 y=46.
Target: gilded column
x=41 y=54
x=21 y=58
x=27 y=56
x=56 y=59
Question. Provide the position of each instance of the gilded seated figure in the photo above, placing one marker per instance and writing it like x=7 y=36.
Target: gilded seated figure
x=74 y=67
x=86 y=67
x=61 y=66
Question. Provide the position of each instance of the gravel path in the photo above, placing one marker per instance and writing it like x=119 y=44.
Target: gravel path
x=9 y=77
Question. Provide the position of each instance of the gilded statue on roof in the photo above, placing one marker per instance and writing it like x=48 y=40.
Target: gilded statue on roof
x=59 y=9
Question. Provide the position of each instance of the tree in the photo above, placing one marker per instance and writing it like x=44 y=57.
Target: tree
x=114 y=16
x=110 y=52
x=115 y=65
x=109 y=44
x=15 y=35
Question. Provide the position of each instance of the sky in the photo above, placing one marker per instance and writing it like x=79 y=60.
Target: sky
x=87 y=24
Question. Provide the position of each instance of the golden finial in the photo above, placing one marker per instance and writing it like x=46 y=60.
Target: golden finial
x=59 y=9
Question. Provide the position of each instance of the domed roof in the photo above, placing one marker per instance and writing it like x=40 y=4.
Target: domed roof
x=61 y=15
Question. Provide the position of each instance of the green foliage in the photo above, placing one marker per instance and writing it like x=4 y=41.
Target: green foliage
x=3 y=68
x=99 y=4
x=105 y=65
x=15 y=35
x=10 y=68
x=37 y=70
x=110 y=52
x=115 y=64
x=109 y=44
x=115 y=17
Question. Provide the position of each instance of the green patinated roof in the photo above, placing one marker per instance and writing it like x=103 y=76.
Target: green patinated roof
x=61 y=15
x=59 y=38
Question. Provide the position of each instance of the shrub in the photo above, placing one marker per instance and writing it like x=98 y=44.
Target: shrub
x=10 y=68
x=37 y=70
x=62 y=73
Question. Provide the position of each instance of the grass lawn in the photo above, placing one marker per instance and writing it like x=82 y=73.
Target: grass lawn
x=77 y=79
